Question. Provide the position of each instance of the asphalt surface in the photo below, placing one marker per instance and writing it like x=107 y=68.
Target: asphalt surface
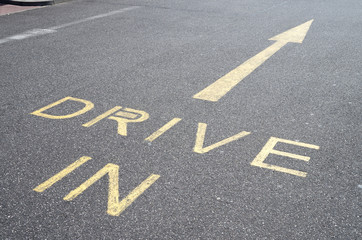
x=154 y=58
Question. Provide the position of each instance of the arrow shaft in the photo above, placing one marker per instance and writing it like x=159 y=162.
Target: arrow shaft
x=223 y=85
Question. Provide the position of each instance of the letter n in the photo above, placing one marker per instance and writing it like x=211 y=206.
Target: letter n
x=115 y=207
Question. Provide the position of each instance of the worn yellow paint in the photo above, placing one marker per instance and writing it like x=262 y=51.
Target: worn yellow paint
x=200 y=137
x=126 y=114
x=115 y=208
x=163 y=129
x=122 y=122
x=110 y=169
x=223 y=85
x=88 y=106
x=290 y=155
x=57 y=177
x=269 y=149
x=102 y=116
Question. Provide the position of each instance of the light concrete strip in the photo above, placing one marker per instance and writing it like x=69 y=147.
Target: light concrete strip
x=7 y=9
x=37 y=32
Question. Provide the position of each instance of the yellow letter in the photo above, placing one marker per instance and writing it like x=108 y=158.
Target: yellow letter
x=102 y=116
x=88 y=106
x=200 y=136
x=126 y=115
x=115 y=208
x=269 y=148
x=57 y=177
x=163 y=129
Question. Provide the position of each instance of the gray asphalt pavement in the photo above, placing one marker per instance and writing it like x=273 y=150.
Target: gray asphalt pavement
x=150 y=58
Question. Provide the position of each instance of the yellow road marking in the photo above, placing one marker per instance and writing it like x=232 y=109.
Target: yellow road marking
x=269 y=149
x=88 y=106
x=110 y=169
x=290 y=155
x=48 y=183
x=122 y=122
x=200 y=137
x=219 y=88
x=115 y=208
x=126 y=114
x=163 y=129
x=102 y=116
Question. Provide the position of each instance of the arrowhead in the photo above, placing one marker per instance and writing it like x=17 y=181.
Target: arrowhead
x=296 y=34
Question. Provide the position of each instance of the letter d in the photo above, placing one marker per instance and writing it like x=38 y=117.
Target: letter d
x=88 y=106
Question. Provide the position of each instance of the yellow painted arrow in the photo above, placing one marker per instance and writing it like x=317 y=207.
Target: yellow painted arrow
x=218 y=89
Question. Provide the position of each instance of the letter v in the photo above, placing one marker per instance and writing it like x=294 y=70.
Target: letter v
x=200 y=137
